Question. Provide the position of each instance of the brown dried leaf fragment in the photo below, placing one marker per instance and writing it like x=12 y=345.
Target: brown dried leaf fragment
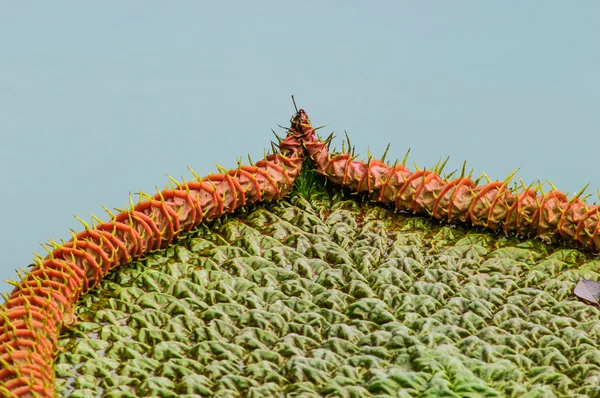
x=588 y=290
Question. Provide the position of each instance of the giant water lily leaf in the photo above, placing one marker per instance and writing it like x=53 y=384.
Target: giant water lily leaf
x=319 y=293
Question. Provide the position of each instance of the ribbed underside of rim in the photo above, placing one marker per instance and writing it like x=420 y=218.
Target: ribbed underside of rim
x=337 y=297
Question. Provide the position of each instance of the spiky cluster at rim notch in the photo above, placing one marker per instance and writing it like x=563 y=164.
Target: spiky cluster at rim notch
x=41 y=304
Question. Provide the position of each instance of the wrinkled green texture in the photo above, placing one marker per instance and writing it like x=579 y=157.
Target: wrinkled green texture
x=337 y=297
